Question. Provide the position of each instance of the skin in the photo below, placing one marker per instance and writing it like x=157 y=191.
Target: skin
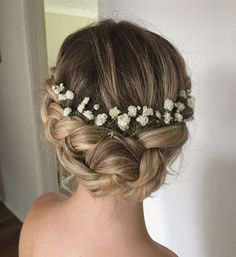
x=84 y=226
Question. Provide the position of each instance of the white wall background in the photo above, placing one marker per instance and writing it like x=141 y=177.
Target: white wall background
x=24 y=161
x=195 y=214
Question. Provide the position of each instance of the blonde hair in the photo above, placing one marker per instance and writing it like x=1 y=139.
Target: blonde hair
x=116 y=63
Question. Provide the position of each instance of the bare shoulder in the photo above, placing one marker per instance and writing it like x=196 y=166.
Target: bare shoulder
x=163 y=251
x=33 y=220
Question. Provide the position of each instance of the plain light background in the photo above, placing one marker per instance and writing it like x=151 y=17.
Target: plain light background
x=20 y=168
x=195 y=214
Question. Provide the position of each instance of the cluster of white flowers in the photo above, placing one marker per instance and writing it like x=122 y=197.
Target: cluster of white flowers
x=58 y=89
x=142 y=119
x=81 y=106
x=88 y=114
x=132 y=111
x=186 y=94
x=147 y=111
x=182 y=93
x=101 y=119
x=167 y=117
x=178 y=116
x=123 y=120
x=180 y=106
x=168 y=104
x=67 y=111
x=114 y=112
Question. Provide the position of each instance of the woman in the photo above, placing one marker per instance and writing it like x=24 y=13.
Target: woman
x=115 y=107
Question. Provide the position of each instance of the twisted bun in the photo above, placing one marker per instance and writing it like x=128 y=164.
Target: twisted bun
x=116 y=165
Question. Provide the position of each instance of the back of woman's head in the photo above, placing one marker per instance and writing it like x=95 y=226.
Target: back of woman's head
x=116 y=63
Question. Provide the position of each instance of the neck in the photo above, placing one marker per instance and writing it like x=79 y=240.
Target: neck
x=108 y=217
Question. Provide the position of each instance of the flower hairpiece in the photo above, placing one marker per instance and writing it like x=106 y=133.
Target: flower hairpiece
x=136 y=117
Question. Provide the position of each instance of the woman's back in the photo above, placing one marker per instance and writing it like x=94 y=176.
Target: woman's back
x=47 y=233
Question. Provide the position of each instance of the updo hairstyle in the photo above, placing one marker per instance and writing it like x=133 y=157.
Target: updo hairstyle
x=116 y=63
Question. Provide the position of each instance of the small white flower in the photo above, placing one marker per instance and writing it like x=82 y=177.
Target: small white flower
x=180 y=106
x=56 y=89
x=158 y=114
x=178 y=116
x=123 y=121
x=167 y=117
x=86 y=100
x=69 y=95
x=67 y=111
x=101 y=119
x=62 y=97
x=142 y=119
x=114 y=112
x=80 y=107
x=147 y=111
x=61 y=86
x=88 y=114
x=138 y=107
x=132 y=111
x=96 y=107
x=190 y=102
x=182 y=93
x=168 y=104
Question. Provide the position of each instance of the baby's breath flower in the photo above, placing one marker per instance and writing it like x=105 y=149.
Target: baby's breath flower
x=101 y=119
x=96 y=107
x=62 y=97
x=86 y=100
x=67 y=111
x=132 y=111
x=158 y=114
x=168 y=104
x=123 y=121
x=56 y=89
x=147 y=111
x=114 y=112
x=138 y=107
x=80 y=107
x=167 y=117
x=69 y=95
x=142 y=119
x=180 y=106
x=61 y=87
x=182 y=93
x=88 y=114
x=178 y=116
